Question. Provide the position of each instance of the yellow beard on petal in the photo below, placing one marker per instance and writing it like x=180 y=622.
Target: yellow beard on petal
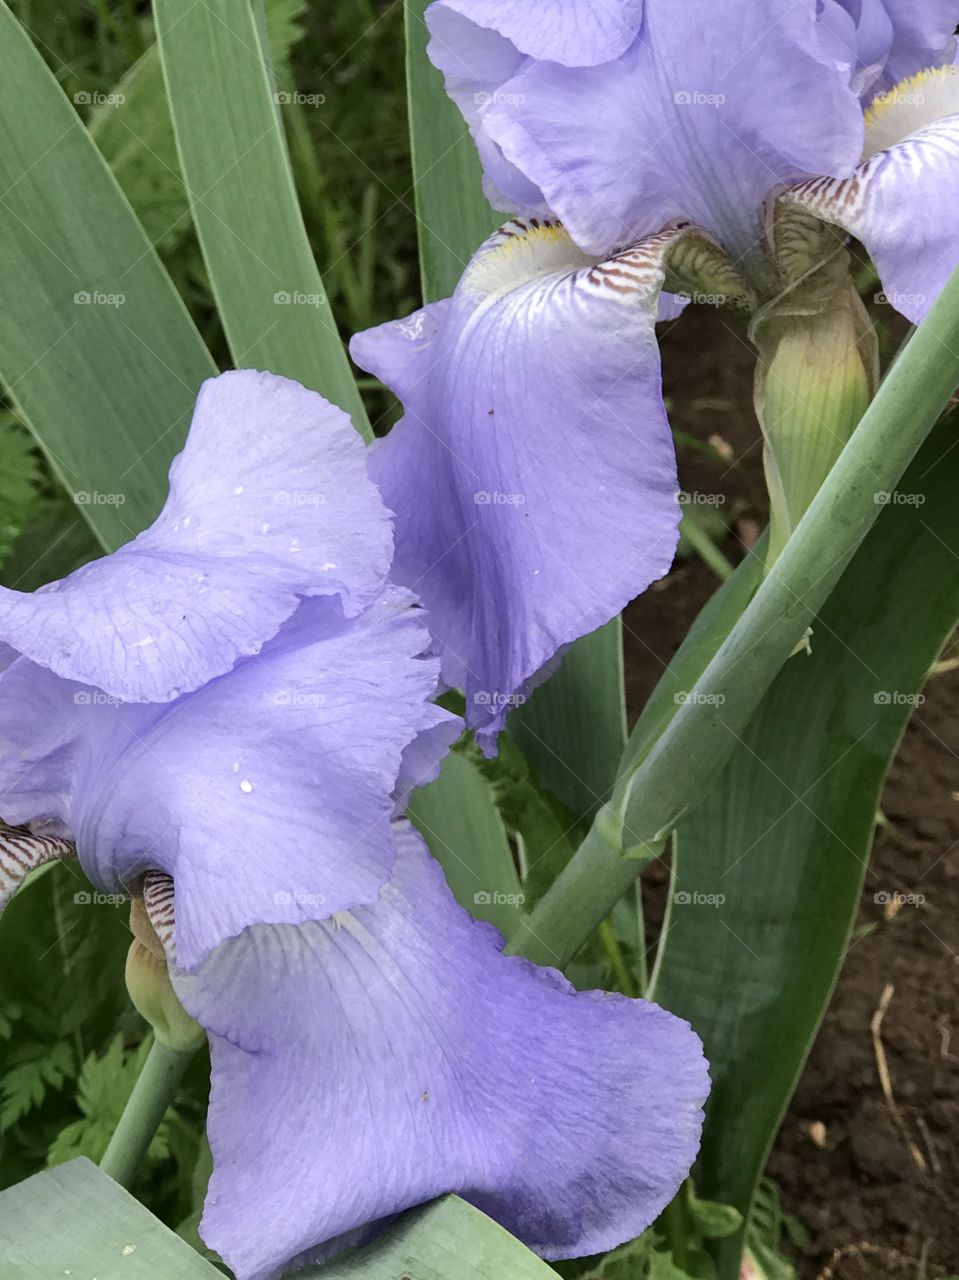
x=913 y=104
x=521 y=251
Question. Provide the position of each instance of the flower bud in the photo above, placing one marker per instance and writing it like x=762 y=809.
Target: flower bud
x=148 y=982
x=817 y=372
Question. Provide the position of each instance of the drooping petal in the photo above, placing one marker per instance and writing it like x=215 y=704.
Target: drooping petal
x=267 y=794
x=576 y=33
x=269 y=502
x=709 y=110
x=903 y=200
x=365 y=1065
x=533 y=475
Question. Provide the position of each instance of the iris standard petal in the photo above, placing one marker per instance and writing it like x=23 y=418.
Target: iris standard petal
x=269 y=501
x=903 y=200
x=860 y=35
x=713 y=107
x=533 y=476
x=886 y=41
x=923 y=36
x=373 y=1062
x=576 y=33
x=476 y=62
x=267 y=794
x=837 y=35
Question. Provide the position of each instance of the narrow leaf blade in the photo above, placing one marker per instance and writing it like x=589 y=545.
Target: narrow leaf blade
x=588 y=689
x=458 y=819
x=74 y=1220
x=445 y=1240
x=233 y=155
x=453 y=214
x=96 y=347
x=771 y=865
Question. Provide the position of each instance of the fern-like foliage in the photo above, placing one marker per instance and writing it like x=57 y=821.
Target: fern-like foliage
x=25 y=1085
x=103 y=1088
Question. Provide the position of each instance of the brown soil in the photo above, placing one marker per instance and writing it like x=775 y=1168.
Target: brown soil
x=875 y=1186
x=868 y=1178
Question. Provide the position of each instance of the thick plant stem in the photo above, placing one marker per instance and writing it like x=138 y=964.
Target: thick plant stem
x=675 y=772
x=146 y=1107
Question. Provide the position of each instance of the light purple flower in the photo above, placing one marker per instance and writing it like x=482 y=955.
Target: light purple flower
x=533 y=476
x=712 y=111
x=432 y=1063
x=222 y=718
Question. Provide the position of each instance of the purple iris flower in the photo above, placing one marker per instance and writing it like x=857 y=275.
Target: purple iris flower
x=533 y=476
x=220 y=718
x=709 y=111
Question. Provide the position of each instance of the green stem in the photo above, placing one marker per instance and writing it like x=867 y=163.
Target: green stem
x=677 y=770
x=616 y=959
x=675 y=1227
x=146 y=1107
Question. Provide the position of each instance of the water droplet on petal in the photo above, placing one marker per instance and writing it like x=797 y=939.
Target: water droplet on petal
x=246 y=786
x=238 y=490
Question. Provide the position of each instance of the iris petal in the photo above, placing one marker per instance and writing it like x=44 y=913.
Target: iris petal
x=576 y=33
x=368 y=1064
x=267 y=794
x=903 y=204
x=923 y=36
x=710 y=109
x=533 y=476
x=268 y=502
x=476 y=62
x=479 y=45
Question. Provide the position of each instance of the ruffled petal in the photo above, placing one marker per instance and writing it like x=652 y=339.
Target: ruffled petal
x=476 y=62
x=903 y=204
x=576 y=33
x=923 y=35
x=50 y=731
x=713 y=107
x=267 y=794
x=533 y=476
x=882 y=42
x=423 y=758
x=269 y=502
x=371 y=1063
x=838 y=36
